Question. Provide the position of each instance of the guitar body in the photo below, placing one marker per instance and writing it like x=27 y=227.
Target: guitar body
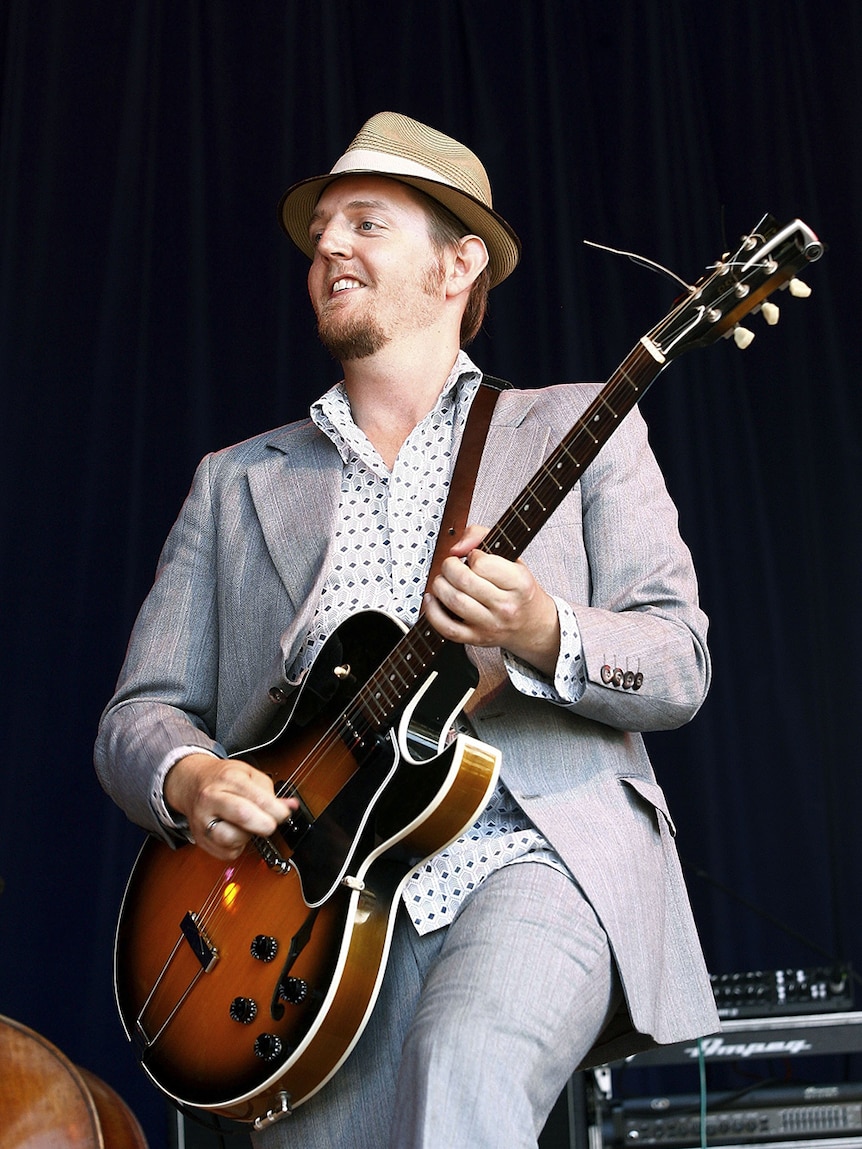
x=246 y=984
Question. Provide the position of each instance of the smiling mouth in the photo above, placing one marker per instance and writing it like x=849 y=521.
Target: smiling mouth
x=340 y=286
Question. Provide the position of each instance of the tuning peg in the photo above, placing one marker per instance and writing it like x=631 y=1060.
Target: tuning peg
x=799 y=289
x=770 y=312
x=742 y=337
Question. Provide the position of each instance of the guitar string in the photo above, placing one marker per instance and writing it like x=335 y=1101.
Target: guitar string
x=397 y=672
x=207 y=921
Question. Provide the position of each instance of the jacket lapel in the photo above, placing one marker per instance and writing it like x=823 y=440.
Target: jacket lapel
x=511 y=457
x=295 y=491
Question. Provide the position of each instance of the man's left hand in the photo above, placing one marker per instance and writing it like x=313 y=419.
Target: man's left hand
x=484 y=600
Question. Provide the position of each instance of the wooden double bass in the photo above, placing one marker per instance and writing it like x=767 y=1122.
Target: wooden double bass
x=48 y=1102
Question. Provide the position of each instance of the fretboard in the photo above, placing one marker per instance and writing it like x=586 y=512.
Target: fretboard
x=392 y=685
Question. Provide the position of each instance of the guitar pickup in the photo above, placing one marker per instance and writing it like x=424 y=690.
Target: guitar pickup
x=292 y=830
x=200 y=944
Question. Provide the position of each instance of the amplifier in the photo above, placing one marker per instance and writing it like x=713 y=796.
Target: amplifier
x=761 y=1117
x=782 y=992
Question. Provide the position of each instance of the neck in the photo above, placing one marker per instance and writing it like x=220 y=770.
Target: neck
x=391 y=393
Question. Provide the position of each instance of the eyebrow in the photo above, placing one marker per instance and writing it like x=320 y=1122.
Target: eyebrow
x=353 y=205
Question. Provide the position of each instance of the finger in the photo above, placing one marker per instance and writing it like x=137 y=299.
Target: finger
x=448 y=616
x=245 y=814
x=223 y=840
x=472 y=536
x=245 y=796
x=495 y=584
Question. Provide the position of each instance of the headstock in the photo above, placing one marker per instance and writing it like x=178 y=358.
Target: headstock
x=767 y=259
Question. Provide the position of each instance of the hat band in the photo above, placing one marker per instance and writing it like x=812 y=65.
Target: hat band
x=367 y=159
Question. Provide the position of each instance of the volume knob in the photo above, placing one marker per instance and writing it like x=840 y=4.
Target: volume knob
x=293 y=990
x=264 y=947
x=267 y=1046
x=243 y=1010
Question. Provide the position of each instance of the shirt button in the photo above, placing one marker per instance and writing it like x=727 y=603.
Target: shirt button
x=277 y=695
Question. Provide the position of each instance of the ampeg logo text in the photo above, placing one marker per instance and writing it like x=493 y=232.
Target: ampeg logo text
x=718 y=1047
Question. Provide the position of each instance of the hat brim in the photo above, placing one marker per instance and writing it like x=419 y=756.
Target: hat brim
x=297 y=205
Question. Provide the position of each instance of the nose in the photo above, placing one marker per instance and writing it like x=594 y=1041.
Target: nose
x=334 y=240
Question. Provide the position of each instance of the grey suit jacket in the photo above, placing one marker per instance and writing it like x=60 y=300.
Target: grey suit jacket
x=235 y=594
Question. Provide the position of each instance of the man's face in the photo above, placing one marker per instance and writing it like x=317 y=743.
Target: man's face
x=375 y=275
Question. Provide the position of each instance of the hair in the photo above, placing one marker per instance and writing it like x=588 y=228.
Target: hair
x=446 y=230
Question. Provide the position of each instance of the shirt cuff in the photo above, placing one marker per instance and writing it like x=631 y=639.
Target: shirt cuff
x=168 y=818
x=569 y=681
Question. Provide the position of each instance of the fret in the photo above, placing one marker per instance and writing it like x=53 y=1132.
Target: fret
x=604 y=401
x=564 y=449
x=393 y=683
x=529 y=488
x=501 y=530
x=369 y=701
x=629 y=379
x=585 y=428
x=522 y=519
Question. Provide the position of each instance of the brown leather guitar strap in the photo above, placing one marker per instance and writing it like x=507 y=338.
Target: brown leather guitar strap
x=466 y=469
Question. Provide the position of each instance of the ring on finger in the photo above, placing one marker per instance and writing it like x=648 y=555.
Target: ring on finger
x=211 y=824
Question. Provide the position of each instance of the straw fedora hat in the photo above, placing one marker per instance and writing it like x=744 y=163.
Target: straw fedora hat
x=393 y=145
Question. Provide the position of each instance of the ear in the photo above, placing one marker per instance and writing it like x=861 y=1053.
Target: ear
x=470 y=259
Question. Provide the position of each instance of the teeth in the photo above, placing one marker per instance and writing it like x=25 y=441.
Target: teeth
x=344 y=285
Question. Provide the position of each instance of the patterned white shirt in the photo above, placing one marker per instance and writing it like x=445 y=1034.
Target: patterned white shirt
x=385 y=537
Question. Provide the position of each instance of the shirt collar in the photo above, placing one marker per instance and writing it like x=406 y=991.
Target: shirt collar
x=332 y=415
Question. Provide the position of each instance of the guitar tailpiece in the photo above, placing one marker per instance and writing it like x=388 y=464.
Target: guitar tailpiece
x=273 y=1115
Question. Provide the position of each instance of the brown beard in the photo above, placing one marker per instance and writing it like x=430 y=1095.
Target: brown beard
x=361 y=338
x=355 y=340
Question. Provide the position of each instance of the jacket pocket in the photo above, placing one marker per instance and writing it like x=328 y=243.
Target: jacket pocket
x=653 y=794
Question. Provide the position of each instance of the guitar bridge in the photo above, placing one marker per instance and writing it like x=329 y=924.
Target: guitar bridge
x=271 y=856
x=290 y=831
x=200 y=944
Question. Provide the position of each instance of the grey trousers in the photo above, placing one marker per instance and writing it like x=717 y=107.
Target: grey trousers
x=477 y=1029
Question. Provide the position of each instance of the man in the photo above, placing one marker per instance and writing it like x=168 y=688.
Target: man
x=557 y=931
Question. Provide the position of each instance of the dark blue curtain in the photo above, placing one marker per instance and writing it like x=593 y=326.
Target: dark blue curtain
x=151 y=310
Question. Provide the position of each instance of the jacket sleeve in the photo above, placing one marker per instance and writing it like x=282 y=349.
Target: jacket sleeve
x=232 y=599
x=642 y=631
x=613 y=552
x=166 y=692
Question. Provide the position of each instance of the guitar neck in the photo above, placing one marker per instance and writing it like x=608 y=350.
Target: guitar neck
x=394 y=683
x=738 y=284
x=558 y=475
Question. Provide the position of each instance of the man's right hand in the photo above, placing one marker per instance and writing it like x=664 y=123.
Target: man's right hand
x=226 y=802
